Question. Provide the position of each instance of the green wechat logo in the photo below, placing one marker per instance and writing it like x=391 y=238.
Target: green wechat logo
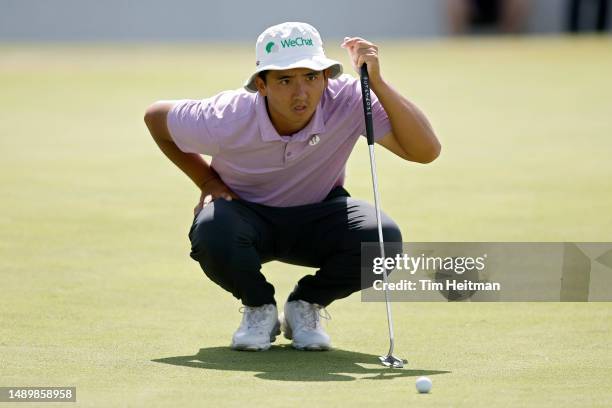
x=297 y=42
x=289 y=43
x=271 y=47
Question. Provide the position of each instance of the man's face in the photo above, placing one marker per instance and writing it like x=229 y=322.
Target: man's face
x=293 y=96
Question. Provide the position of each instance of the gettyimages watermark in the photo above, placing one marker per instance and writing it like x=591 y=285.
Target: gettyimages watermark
x=487 y=271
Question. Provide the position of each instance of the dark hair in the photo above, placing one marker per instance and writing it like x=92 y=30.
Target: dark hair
x=263 y=75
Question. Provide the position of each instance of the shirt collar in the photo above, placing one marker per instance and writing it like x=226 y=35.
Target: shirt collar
x=316 y=125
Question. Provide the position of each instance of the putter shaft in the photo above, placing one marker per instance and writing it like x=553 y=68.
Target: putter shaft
x=382 y=247
x=389 y=360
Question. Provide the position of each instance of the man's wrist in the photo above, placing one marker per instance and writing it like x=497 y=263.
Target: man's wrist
x=378 y=84
x=203 y=184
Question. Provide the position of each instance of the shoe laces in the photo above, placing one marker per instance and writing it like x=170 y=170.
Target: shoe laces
x=255 y=317
x=312 y=313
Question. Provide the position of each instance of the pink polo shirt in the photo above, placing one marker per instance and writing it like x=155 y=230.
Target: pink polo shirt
x=260 y=165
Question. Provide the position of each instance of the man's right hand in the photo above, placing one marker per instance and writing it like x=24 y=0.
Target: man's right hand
x=211 y=190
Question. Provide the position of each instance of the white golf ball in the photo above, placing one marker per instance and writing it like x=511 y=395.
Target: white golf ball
x=423 y=385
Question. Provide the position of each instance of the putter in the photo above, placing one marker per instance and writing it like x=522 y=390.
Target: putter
x=389 y=360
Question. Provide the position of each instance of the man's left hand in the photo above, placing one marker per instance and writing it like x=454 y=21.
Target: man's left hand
x=361 y=51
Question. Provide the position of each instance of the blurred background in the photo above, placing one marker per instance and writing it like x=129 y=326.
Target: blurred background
x=97 y=282
x=151 y=20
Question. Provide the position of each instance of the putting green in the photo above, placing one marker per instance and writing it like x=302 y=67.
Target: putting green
x=98 y=291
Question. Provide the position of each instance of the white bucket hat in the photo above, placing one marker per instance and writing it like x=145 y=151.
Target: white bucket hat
x=291 y=45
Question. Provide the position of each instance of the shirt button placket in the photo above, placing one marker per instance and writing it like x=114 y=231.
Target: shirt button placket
x=288 y=153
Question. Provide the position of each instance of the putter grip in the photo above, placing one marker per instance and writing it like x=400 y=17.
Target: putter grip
x=367 y=103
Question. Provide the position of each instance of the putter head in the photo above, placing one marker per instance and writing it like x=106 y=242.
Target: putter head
x=392 y=362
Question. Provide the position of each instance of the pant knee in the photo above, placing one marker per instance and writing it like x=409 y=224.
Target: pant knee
x=391 y=232
x=214 y=232
x=207 y=241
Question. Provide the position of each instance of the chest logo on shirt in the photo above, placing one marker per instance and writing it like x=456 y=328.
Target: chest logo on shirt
x=314 y=140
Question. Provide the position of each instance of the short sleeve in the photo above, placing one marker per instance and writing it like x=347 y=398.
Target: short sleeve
x=347 y=89
x=381 y=122
x=187 y=125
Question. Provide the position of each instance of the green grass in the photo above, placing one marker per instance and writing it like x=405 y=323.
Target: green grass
x=98 y=291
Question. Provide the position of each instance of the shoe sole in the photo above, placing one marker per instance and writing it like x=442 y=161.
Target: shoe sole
x=288 y=334
x=261 y=346
x=311 y=347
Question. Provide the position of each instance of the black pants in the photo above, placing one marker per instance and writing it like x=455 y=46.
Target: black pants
x=232 y=239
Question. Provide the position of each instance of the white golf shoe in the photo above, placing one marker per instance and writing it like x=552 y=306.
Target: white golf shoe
x=301 y=323
x=258 y=329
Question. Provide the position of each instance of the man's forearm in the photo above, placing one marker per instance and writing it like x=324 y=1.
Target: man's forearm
x=192 y=164
x=409 y=125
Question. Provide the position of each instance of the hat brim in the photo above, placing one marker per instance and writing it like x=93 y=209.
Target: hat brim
x=315 y=63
